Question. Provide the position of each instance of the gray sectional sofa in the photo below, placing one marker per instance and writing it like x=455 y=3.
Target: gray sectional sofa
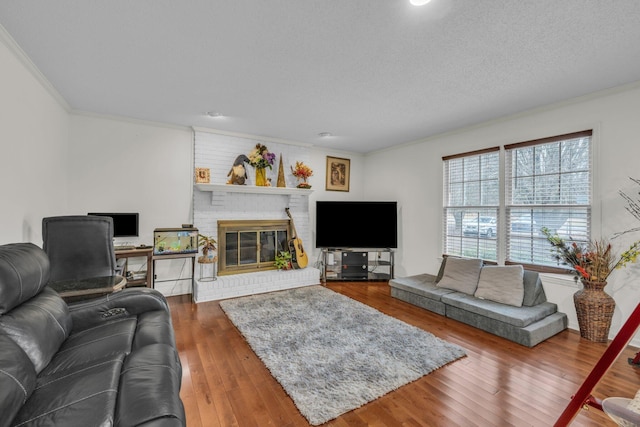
x=506 y=301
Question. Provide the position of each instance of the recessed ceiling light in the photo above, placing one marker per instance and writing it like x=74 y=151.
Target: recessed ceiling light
x=325 y=134
x=419 y=2
x=214 y=114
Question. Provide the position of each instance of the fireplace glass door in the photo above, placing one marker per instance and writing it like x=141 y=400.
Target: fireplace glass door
x=248 y=246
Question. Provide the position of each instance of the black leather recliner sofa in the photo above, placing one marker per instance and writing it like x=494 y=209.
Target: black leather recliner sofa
x=101 y=362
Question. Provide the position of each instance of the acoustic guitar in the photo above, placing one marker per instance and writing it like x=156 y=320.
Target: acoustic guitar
x=299 y=257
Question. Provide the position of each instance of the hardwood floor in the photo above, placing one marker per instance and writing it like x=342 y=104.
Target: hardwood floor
x=499 y=383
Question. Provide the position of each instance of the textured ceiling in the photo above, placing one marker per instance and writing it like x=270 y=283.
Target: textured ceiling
x=374 y=73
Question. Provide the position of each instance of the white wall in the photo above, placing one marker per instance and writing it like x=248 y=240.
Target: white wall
x=414 y=174
x=356 y=187
x=127 y=166
x=131 y=166
x=33 y=150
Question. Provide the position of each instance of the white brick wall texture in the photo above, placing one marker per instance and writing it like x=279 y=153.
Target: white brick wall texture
x=237 y=285
x=218 y=152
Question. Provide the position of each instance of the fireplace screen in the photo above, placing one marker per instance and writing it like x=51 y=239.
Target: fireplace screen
x=249 y=246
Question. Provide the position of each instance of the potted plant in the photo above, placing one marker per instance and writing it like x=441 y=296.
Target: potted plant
x=208 y=245
x=592 y=263
x=283 y=260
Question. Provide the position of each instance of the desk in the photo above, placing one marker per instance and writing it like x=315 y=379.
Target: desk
x=80 y=289
x=147 y=253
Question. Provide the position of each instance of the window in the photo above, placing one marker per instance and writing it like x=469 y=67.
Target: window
x=547 y=183
x=471 y=204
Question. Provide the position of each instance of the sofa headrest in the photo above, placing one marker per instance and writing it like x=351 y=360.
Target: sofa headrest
x=24 y=272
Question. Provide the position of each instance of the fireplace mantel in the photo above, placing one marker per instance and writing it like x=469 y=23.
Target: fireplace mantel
x=229 y=188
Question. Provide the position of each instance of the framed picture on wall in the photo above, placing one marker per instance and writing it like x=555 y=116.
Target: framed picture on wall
x=338 y=174
x=203 y=176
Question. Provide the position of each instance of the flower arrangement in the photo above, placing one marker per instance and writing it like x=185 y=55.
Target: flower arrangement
x=261 y=158
x=302 y=172
x=593 y=261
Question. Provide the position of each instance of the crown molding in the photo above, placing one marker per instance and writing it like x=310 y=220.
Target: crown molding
x=20 y=54
x=249 y=136
x=125 y=119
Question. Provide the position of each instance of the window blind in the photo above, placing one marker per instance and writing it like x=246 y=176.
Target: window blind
x=471 y=202
x=547 y=184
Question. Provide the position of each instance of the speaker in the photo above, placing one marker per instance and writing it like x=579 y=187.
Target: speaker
x=331 y=259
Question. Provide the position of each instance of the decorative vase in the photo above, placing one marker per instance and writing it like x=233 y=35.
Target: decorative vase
x=261 y=177
x=594 y=308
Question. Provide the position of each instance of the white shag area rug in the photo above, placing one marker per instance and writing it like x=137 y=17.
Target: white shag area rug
x=333 y=354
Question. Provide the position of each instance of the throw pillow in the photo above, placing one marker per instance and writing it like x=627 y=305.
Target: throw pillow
x=461 y=274
x=503 y=284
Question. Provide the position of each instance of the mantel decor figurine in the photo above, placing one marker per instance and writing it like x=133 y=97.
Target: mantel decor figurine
x=238 y=173
x=281 y=181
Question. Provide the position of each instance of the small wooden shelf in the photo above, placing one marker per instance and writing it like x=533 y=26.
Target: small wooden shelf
x=230 y=188
x=139 y=252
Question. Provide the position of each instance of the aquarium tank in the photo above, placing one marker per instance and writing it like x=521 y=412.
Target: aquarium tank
x=169 y=241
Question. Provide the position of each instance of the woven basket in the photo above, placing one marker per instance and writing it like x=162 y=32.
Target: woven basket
x=594 y=308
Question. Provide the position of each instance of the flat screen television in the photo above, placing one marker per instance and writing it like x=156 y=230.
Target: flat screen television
x=124 y=224
x=362 y=224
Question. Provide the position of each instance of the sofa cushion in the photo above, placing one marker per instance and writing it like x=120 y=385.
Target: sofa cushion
x=150 y=386
x=443 y=264
x=421 y=284
x=501 y=284
x=24 y=271
x=516 y=316
x=39 y=326
x=83 y=396
x=17 y=379
x=461 y=274
x=112 y=338
x=533 y=290
x=154 y=327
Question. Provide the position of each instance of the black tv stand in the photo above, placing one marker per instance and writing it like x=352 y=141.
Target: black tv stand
x=357 y=264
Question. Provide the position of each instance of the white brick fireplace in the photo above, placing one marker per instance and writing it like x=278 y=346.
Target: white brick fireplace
x=218 y=201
